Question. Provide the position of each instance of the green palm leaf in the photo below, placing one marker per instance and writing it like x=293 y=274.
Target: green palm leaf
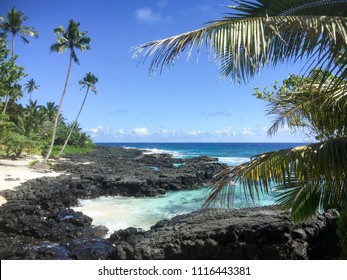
x=256 y=34
x=310 y=177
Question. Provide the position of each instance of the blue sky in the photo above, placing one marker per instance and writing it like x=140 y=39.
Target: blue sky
x=187 y=103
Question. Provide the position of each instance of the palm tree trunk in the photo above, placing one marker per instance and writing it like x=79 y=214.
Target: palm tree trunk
x=74 y=124
x=7 y=98
x=12 y=52
x=58 y=111
x=6 y=103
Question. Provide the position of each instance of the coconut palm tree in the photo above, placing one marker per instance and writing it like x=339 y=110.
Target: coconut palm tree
x=30 y=86
x=89 y=82
x=70 y=39
x=263 y=32
x=14 y=25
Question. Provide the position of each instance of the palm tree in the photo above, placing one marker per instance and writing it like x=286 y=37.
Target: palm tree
x=89 y=82
x=30 y=86
x=67 y=39
x=263 y=32
x=50 y=111
x=269 y=32
x=14 y=25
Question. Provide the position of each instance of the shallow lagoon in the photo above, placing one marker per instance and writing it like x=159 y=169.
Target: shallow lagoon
x=122 y=212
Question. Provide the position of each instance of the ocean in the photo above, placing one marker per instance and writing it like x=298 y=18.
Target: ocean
x=122 y=212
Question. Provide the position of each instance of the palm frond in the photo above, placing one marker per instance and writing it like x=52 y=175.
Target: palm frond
x=255 y=35
x=29 y=31
x=310 y=177
x=58 y=48
x=74 y=56
x=60 y=31
x=25 y=40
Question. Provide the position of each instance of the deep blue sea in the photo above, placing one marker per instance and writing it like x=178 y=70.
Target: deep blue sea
x=120 y=212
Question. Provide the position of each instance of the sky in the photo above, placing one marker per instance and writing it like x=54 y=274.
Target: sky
x=188 y=102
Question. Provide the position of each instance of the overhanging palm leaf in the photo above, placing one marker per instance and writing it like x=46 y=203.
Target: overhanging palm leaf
x=260 y=33
x=312 y=177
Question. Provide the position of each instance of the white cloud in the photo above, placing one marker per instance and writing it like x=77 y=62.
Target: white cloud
x=140 y=131
x=248 y=131
x=225 y=132
x=121 y=131
x=195 y=133
x=99 y=132
x=247 y=134
x=165 y=133
x=147 y=15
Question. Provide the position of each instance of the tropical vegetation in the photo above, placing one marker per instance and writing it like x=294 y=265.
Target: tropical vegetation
x=13 y=24
x=29 y=128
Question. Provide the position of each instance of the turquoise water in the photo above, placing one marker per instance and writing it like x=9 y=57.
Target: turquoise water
x=120 y=212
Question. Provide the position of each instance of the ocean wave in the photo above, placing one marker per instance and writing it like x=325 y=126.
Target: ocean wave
x=150 y=151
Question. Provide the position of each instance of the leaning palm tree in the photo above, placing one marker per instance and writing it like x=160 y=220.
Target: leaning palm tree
x=67 y=39
x=307 y=178
x=14 y=25
x=89 y=82
x=258 y=33
x=30 y=86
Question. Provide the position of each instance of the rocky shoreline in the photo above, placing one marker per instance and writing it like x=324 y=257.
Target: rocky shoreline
x=37 y=221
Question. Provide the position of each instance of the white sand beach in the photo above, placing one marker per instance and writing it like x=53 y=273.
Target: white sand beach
x=15 y=172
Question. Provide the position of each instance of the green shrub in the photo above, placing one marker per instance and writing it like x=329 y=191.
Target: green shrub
x=72 y=150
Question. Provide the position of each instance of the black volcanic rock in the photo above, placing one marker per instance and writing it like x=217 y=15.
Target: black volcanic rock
x=253 y=233
x=37 y=221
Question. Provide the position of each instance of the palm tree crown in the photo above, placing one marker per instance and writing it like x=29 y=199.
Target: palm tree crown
x=89 y=81
x=70 y=39
x=30 y=86
x=13 y=25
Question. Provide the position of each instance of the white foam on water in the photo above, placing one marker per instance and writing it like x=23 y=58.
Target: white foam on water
x=159 y=151
x=151 y=151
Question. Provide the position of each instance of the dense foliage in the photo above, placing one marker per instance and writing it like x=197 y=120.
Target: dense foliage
x=28 y=128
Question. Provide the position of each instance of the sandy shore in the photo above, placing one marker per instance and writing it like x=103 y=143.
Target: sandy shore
x=15 y=172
